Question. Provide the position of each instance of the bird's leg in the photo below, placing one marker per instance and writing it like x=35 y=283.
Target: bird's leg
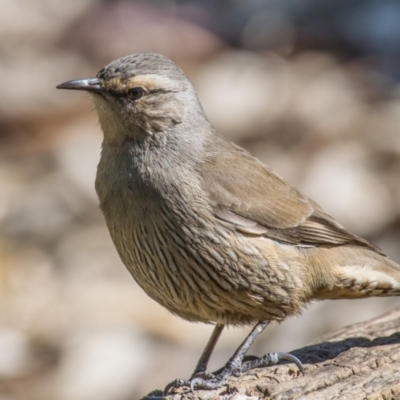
x=201 y=366
x=233 y=366
x=236 y=366
x=205 y=357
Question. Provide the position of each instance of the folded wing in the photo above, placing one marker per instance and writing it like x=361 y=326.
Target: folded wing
x=257 y=202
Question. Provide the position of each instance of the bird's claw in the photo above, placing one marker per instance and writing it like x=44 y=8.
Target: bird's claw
x=293 y=359
x=272 y=359
x=177 y=383
x=202 y=380
x=207 y=381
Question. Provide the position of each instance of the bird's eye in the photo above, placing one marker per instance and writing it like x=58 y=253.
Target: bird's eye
x=136 y=93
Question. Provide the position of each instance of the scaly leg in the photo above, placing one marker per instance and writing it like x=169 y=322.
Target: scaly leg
x=205 y=357
x=201 y=366
x=235 y=366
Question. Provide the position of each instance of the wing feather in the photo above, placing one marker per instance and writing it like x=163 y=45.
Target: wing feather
x=258 y=202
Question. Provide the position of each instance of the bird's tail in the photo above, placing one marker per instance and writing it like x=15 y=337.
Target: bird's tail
x=357 y=273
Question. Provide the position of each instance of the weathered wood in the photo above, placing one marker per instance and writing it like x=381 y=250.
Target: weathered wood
x=361 y=361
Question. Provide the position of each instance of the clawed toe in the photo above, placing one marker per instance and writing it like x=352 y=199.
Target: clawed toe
x=177 y=383
x=293 y=359
x=271 y=359
x=206 y=381
x=202 y=380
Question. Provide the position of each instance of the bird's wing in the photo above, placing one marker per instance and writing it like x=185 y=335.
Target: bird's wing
x=247 y=194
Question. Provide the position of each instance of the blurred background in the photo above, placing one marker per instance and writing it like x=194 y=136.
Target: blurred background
x=310 y=87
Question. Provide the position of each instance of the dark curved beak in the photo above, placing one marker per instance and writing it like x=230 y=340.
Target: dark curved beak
x=90 y=85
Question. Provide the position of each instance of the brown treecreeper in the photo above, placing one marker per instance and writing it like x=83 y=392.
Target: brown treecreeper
x=207 y=230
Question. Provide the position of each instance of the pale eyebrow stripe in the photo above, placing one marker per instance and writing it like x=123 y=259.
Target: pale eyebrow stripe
x=149 y=82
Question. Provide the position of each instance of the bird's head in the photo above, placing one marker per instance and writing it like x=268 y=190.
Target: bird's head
x=139 y=94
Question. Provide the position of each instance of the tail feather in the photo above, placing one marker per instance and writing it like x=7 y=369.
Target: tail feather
x=361 y=274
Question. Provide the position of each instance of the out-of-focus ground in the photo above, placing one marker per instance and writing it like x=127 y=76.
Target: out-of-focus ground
x=310 y=88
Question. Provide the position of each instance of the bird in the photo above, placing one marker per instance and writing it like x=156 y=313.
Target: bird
x=206 y=229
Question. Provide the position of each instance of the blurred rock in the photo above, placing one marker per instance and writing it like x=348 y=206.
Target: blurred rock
x=44 y=207
x=110 y=30
x=78 y=152
x=37 y=21
x=15 y=353
x=241 y=92
x=32 y=64
x=357 y=29
x=28 y=82
x=323 y=94
x=339 y=180
x=269 y=29
x=11 y=187
x=104 y=364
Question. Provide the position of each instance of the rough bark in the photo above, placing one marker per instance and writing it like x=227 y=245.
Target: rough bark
x=361 y=361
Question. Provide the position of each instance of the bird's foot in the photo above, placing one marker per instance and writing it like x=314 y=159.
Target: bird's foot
x=205 y=380
x=271 y=359
x=215 y=380
x=218 y=378
x=177 y=383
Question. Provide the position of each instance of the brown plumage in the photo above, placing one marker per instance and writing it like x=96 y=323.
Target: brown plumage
x=207 y=230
